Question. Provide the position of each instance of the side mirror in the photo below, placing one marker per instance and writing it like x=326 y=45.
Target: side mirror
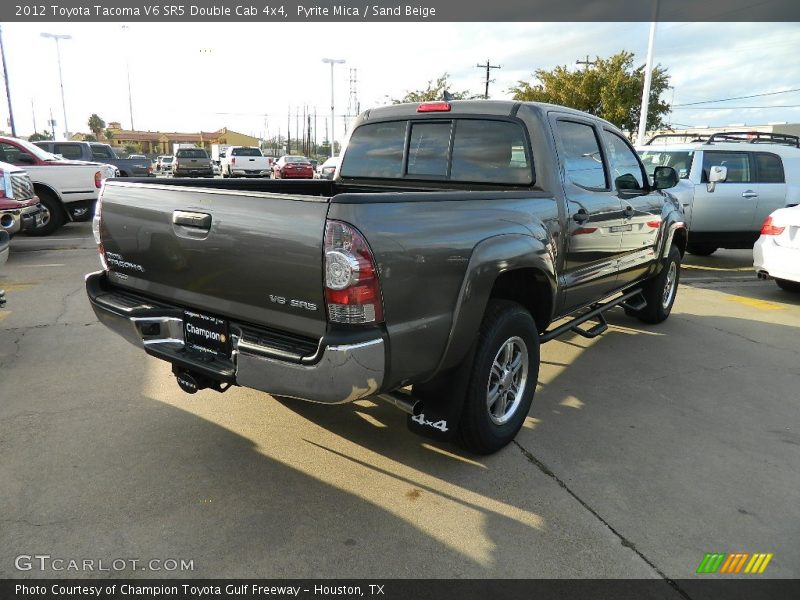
x=717 y=173
x=664 y=178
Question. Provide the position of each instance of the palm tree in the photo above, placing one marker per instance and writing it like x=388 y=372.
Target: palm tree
x=96 y=125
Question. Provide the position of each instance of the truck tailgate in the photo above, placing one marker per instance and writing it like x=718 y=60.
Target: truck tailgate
x=256 y=256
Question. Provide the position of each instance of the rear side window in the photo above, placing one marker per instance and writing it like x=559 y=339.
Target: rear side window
x=583 y=160
x=191 y=153
x=769 y=168
x=737 y=163
x=245 y=152
x=483 y=151
x=101 y=152
x=376 y=150
x=71 y=151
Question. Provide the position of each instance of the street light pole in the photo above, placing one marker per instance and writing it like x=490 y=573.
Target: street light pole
x=333 y=61
x=648 y=77
x=8 y=89
x=58 y=37
x=128 y=69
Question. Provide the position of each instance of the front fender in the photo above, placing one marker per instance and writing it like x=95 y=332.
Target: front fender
x=491 y=258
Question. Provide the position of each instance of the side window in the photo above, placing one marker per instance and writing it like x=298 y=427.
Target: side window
x=583 y=159
x=769 y=168
x=10 y=154
x=375 y=150
x=626 y=173
x=428 y=148
x=70 y=151
x=738 y=164
x=490 y=152
x=101 y=152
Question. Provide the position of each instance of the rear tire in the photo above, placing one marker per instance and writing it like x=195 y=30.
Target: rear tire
x=503 y=378
x=54 y=218
x=700 y=249
x=789 y=286
x=661 y=290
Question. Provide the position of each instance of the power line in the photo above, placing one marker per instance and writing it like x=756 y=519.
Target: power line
x=737 y=107
x=738 y=97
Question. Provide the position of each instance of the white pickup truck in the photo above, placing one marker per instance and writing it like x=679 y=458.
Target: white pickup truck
x=68 y=189
x=245 y=161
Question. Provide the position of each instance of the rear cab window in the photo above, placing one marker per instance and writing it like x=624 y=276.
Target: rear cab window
x=246 y=152
x=468 y=150
x=191 y=153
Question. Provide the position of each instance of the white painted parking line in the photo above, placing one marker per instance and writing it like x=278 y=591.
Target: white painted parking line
x=50 y=265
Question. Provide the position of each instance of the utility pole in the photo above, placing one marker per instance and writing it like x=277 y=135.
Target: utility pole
x=33 y=114
x=586 y=63
x=297 y=126
x=488 y=68
x=8 y=89
x=289 y=132
x=57 y=38
x=128 y=69
x=332 y=62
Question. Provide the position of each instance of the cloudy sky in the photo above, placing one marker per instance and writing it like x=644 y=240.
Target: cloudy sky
x=188 y=77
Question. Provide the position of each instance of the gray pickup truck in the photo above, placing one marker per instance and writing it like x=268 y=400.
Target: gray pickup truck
x=451 y=241
x=95 y=151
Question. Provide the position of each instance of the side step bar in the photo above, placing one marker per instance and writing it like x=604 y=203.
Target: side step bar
x=596 y=310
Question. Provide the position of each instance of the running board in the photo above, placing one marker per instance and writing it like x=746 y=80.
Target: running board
x=596 y=310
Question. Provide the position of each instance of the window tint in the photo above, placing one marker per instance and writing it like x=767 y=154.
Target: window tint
x=191 y=153
x=71 y=151
x=490 y=152
x=583 y=160
x=738 y=164
x=770 y=168
x=245 y=152
x=375 y=150
x=102 y=152
x=11 y=154
x=427 y=152
x=625 y=170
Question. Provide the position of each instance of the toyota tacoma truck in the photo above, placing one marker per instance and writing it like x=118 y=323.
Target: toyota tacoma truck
x=454 y=239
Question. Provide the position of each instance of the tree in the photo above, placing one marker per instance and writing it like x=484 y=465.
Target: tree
x=89 y=138
x=610 y=89
x=132 y=148
x=38 y=137
x=434 y=91
x=109 y=135
x=96 y=125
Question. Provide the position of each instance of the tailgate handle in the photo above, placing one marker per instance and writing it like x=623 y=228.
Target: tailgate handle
x=192 y=219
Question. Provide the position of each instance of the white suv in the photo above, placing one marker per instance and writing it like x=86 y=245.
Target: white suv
x=729 y=183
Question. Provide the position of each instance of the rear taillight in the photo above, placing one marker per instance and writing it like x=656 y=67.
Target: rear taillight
x=98 y=179
x=352 y=289
x=233 y=160
x=769 y=229
x=96 y=223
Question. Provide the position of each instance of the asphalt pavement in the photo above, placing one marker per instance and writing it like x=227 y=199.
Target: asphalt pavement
x=645 y=449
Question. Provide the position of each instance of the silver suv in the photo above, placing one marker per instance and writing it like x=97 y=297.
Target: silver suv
x=729 y=183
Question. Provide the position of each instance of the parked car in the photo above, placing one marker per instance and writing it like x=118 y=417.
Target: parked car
x=95 y=151
x=776 y=253
x=438 y=258
x=292 y=167
x=729 y=183
x=191 y=162
x=245 y=161
x=327 y=169
x=20 y=209
x=215 y=168
x=163 y=164
x=67 y=189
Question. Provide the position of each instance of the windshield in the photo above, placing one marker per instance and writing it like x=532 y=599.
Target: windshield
x=191 y=153
x=245 y=152
x=680 y=160
x=35 y=150
x=166 y=159
x=295 y=159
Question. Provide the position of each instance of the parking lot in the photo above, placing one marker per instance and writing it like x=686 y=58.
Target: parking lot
x=645 y=449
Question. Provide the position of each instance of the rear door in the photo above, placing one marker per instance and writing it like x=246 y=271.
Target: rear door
x=253 y=256
x=594 y=213
x=770 y=186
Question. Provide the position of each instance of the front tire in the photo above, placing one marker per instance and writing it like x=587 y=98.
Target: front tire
x=54 y=216
x=502 y=380
x=661 y=290
x=789 y=286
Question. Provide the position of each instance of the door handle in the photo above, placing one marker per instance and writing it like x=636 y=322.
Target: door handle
x=627 y=212
x=749 y=194
x=581 y=216
x=192 y=219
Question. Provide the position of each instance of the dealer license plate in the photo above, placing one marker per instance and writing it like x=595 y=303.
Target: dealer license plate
x=206 y=334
